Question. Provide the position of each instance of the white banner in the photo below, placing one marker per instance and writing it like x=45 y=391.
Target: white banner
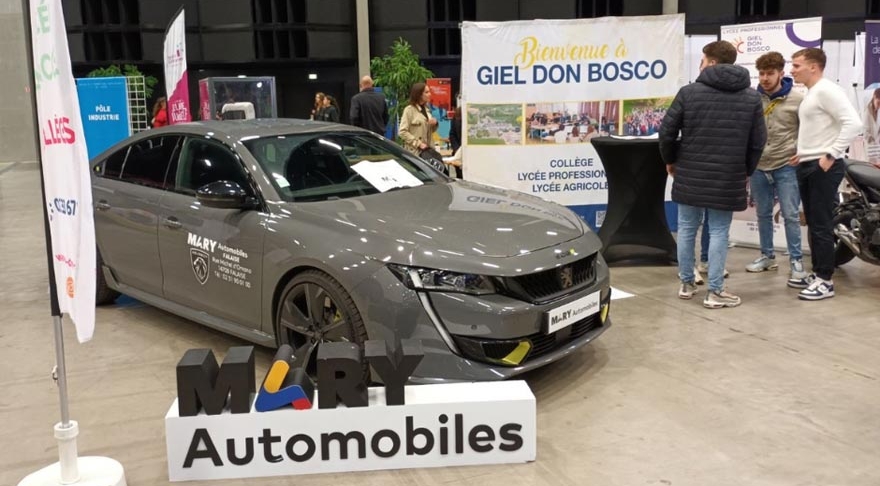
x=693 y=55
x=176 y=78
x=867 y=52
x=752 y=41
x=536 y=92
x=65 y=167
x=784 y=36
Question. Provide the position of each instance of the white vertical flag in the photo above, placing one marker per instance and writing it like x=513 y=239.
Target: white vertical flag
x=65 y=167
x=176 y=78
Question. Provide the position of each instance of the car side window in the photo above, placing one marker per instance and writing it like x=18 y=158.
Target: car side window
x=112 y=166
x=205 y=161
x=147 y=161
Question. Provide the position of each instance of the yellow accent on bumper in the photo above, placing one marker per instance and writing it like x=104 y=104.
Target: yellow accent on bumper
x=603 y=313
x=518 y=355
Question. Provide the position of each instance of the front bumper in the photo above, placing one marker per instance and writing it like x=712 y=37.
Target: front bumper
x=477 y=371
x=477 y=338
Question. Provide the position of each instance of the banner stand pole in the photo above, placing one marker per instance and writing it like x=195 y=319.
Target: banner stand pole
x=70 y=469
x=65 y=431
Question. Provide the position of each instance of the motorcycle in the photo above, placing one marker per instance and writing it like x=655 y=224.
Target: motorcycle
x=857 y=215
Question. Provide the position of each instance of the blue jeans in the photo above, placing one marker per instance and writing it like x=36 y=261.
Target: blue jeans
x=704 y=240
x=766 y=186
x=689 y=220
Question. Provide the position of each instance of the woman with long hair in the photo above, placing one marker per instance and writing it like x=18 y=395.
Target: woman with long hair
x=319 y=106
x=416 y=122
x=160 y=113
x=872 y=127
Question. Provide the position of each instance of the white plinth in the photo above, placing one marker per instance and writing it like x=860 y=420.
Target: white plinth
x=93 y=471
x=468 y=424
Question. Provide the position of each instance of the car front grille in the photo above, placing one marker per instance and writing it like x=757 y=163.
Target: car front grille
x=545 y=343
x=493 y=351
x=548 y=285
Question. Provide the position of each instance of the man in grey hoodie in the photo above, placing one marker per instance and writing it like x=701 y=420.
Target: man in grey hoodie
x=775 y=178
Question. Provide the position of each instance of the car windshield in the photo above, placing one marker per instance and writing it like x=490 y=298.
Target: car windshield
x=322 y=166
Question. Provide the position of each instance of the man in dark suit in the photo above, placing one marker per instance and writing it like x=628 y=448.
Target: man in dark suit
x=368 y=108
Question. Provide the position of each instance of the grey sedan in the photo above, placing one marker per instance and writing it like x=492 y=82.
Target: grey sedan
x=295 y=232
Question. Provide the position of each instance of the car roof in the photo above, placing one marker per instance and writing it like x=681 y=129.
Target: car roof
x=262 y=127
x=235 y=130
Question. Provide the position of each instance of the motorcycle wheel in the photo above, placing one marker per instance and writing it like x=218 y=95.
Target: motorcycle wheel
x=842 y=253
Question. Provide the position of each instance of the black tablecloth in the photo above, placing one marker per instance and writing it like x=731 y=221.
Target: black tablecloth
x=635 y=226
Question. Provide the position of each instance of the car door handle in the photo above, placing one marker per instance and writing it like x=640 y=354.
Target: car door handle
x=102 y=205
x=172 y=223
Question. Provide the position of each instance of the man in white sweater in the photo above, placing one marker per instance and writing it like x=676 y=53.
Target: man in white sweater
x=828 y=125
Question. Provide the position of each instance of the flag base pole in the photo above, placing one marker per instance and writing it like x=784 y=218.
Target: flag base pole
x=93 y=471
x=70 y=469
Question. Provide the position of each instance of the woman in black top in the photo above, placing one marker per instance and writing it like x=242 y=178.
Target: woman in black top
x=455 y=140
x=331 y=110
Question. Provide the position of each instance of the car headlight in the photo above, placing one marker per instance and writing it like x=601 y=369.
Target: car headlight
x=443 y=280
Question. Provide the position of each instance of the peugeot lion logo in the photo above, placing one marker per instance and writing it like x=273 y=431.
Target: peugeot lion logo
x=566 y=278
x=564 y=254
x=200 y=263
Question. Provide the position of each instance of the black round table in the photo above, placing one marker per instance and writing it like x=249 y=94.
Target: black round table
x=635 y=226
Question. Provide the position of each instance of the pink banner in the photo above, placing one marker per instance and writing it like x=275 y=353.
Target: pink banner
x=176 y=79
x=204 y=101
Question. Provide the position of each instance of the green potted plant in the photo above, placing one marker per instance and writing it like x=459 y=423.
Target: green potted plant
x=128 y=71
x=395 y=73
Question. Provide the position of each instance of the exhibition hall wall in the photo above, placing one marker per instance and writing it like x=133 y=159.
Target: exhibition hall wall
x=16 y=126
x=320 y=38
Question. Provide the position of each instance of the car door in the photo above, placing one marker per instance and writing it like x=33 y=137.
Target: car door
x=126 y=194
x=211 y=258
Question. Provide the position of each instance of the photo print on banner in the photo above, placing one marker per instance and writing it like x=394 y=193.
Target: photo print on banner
x=571 y=122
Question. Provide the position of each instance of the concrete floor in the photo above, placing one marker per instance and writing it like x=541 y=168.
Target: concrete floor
x=775 y=392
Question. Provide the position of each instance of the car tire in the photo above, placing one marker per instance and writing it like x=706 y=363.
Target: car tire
x=347 y=326
x=104 y=295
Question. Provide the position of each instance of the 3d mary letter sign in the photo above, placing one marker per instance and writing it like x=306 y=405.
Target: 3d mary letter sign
x=217 y=429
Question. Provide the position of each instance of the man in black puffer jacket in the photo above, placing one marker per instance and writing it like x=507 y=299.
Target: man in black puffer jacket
x=722 y=136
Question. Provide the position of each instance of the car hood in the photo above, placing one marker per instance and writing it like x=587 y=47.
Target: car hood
x=456 y=218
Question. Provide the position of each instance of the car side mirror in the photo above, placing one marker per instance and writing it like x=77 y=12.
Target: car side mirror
x=224 y=195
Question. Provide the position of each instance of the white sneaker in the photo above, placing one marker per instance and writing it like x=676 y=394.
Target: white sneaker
x=703 y=267
x=818 y=290
x=802 y=283
x=698 y=279
x=797 y=271
x=687 y=291
x=762 y=264
x=719 y=300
